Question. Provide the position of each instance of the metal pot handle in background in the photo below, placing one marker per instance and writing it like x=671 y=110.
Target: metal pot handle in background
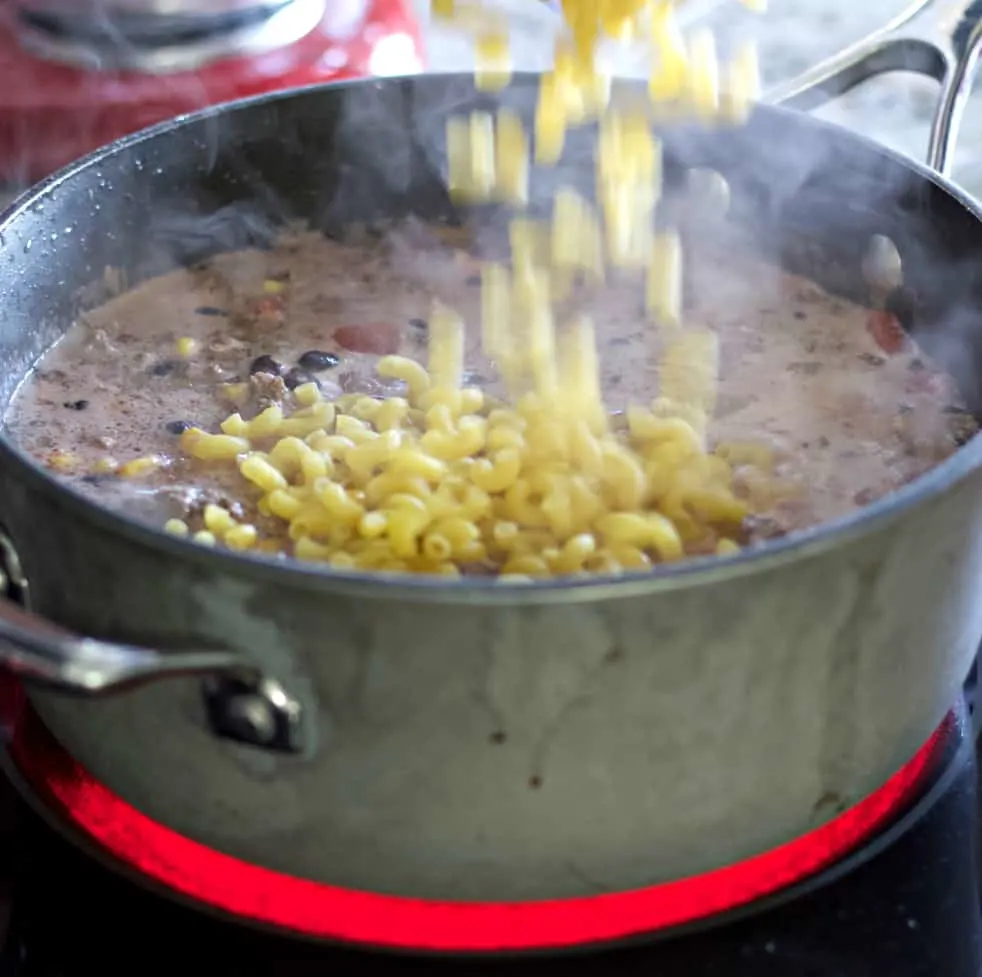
x=240 y=702
x=938 y=38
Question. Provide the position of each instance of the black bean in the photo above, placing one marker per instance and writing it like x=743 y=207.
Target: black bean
x=761 y=527
x=871 y=359
x=316 y=360
x=808 y=368
x=178 y=427
x=799 y=314
x=297 y=377
x=76 y=404
x=164 y=368
x=961 y=425
x=473 y=279
x=421 y=324
x=209 y=310
x=266 y=364
x=864 y=496
x=95 y=479
x=963 y=434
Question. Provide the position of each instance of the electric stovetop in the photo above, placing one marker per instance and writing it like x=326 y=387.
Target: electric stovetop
x=904 y=904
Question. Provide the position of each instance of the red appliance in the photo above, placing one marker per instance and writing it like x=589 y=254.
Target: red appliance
x=62 y=96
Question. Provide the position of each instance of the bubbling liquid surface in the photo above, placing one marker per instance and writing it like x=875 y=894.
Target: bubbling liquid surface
x=801 y=372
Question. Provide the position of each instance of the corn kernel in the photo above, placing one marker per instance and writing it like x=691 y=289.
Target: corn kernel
x=139 y=467
x=63 y=461
x=187 y=347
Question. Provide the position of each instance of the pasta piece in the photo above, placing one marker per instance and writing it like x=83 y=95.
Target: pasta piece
x=550 y=121
x=703 y=78
x=743 y=84
x=511 y=160
x=471 y=156
x=493 y=61
x=663 y=289
x=576 y=239
x=689 y=369
x=445 y=477
x=667 y=82
x=580 y=385
x=446 y=344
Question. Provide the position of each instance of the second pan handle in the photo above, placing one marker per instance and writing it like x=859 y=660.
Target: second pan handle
x=241 y=703
x=937 y=38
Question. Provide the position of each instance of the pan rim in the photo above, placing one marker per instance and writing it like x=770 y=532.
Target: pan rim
x=766 y=556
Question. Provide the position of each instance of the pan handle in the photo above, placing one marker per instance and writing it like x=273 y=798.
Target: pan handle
x=241 y=703
x=938 y=38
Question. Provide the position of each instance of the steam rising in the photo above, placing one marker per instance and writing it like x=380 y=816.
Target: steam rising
x=803 y=195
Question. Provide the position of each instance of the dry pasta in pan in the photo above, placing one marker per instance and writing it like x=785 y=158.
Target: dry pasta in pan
x=413 y=463
x=443 y=480
x=446 y=480
x=299 y=413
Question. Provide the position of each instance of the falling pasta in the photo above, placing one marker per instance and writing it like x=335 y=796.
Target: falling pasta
x=445 y=479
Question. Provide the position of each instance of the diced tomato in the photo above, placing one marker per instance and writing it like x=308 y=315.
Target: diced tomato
x=886 y=331
x=380 y=338
x=269 y=306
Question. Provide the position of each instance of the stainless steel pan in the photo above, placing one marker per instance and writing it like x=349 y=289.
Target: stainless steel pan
x=471 y=740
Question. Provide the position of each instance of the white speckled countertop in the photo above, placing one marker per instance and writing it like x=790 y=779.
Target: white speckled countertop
x=792 y=35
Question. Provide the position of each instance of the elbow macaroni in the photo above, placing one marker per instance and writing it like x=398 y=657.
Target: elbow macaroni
x=442 y=480
x=532 y=491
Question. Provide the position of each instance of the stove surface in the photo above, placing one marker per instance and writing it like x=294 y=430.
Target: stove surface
x=905 y=905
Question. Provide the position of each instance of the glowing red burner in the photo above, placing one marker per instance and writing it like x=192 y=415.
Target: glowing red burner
x=313 y=909
x=52 y=113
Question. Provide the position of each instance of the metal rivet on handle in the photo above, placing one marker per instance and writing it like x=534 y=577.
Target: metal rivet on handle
x=252 y=717
x=254 y=711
